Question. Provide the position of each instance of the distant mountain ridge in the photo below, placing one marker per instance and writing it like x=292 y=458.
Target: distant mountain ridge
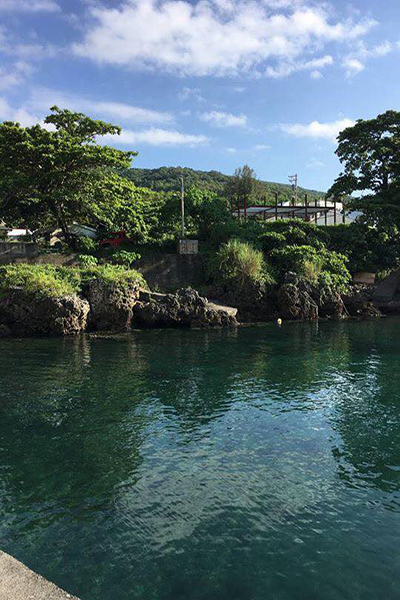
x=168 y=179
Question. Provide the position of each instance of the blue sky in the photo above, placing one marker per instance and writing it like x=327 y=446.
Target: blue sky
x=208 y=84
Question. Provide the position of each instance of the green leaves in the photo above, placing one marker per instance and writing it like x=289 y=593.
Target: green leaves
x=51 y=174
x=370 y=153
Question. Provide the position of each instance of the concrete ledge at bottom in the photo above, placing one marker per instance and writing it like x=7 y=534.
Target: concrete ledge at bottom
x=17 y=582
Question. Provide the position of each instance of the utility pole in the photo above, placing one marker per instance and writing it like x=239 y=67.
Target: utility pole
x=294 y=181
x=183 y=208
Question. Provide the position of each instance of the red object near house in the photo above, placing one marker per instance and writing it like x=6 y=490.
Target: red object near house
x=116 y=240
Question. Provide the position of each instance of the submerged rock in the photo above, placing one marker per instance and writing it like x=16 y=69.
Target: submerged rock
x=185 y=308
x=25 y=314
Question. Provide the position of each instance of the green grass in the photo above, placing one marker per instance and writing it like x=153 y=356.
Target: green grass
x=113 y=275
x=44 y=280
x=49 y=280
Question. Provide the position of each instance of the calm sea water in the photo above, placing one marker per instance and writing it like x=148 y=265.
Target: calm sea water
x=262 y=464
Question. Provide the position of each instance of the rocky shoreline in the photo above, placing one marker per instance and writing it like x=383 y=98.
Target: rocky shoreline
x=108 y=308
x=112 y=308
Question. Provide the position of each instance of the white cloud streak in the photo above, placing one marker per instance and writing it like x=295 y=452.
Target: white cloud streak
x=355 y=62
x=118 y=111
x=317 y=130
x=212 y=37
x=223 y=119
x=287 y=68
x=153 y=136
x=158 y=137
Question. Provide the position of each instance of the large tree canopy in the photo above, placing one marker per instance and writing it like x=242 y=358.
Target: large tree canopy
x=56 y=173
x=370 y=153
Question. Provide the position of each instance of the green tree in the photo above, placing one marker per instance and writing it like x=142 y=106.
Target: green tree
x=243 y=187
x=54 y=174
x=370 y=153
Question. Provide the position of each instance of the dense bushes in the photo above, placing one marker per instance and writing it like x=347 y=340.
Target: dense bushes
x=367 y=248
x=278 y=248
x=326 y=270
x=48 y=280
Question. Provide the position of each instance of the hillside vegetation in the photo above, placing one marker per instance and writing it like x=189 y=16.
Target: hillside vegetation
x=168 y=179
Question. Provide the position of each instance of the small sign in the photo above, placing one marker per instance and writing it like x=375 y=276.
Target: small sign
x=188 y=246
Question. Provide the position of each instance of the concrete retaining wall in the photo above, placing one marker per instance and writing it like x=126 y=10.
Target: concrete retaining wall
x=171 y=271
x=10 y=250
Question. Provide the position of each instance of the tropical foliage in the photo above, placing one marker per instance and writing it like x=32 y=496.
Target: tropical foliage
x=59 y=172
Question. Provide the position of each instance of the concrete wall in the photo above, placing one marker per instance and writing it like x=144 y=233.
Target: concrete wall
x=171 y=271
x=9 y=250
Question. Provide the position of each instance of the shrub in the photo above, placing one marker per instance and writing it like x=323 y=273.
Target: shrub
x=41 y=280
x=325 y=269
x=125 y=258
x=238 y=262
x=87 y=260
x=86 y=245
x=113 y=275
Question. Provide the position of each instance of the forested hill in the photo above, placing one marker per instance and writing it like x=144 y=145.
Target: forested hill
x=167 y=179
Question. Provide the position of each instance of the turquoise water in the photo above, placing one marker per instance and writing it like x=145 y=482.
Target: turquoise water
x=262 y=464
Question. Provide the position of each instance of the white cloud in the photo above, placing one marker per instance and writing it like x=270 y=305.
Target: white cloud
x=352 y=66
x=20 y=115
x=28 y=6
x=261 y=147
x=223 y=119
x=212 y=37
x=354 y=62
x=231 y=150
x=43 y=98
x=126 y=112
x=316 y=74
x=158 y=137
x=316 y=130
x=287 y=68
x=14 y=75
x=153 y=136
x=188 y=93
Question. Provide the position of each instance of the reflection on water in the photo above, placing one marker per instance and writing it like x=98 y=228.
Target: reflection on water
x=250 y=464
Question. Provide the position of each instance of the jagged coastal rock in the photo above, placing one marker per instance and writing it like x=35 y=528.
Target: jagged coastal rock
x=295 y=299
x=24 y=314
x=111 y=306
x=108 y=308
x=253 y=300
x=186 y=308
x=358 y=302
